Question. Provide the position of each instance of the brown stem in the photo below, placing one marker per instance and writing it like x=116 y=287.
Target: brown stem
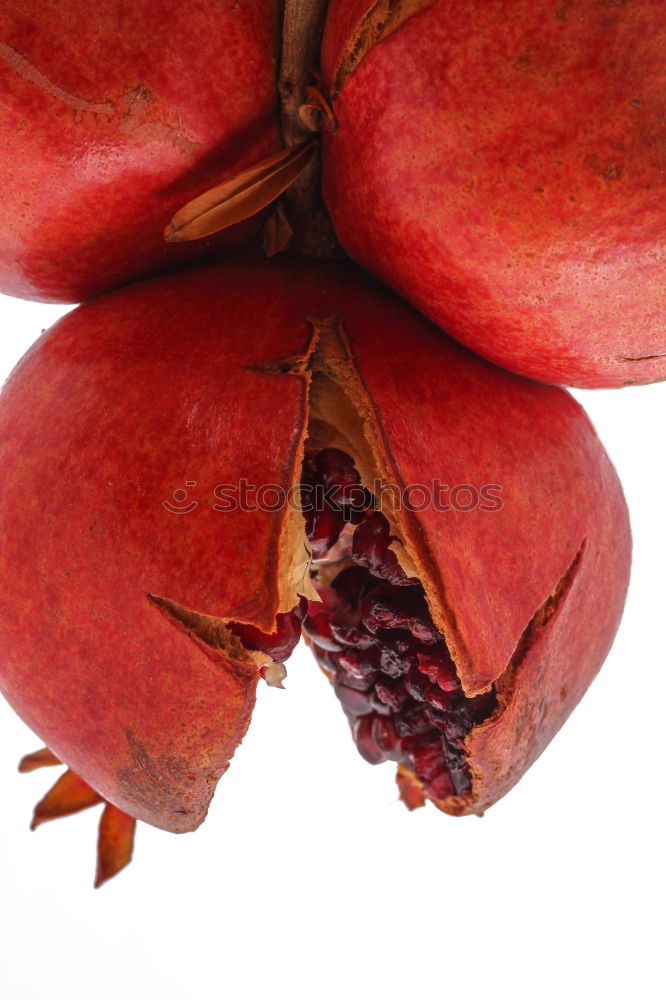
x=303 y=24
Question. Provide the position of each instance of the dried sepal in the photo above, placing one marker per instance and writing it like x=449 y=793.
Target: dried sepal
x=37 y=759
x=69 y=795
x=115 y=843
x=245 y=194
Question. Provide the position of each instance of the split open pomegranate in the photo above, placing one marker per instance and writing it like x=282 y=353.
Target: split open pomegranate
x=196 y=465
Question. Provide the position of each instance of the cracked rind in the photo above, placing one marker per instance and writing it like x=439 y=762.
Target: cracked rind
x=354 y=27
x=115 y=117
x=529 y=597
x=543 y=682
x=205 y=375
x=471 y=172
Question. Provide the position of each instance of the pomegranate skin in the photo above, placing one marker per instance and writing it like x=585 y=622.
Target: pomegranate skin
x=112 y=607
x=501 y=165
x=112 y=119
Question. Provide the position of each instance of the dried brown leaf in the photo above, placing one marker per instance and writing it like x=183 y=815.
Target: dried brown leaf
x=240 y=197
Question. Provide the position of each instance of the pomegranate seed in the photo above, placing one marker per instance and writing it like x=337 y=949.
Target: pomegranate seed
x=440 y=787
x=371 y=549
x=324 y=532
x=351 y=584
x=354 y=702
x=339 y=477
x=439 y=668
x=366 y=742
x=279 y=645
x=318 y=629
x=393 y=696
x=404 y=608
x=347 y=635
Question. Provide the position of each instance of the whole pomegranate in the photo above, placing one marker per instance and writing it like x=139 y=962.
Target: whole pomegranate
x=502 y=165
x=115 y=114
x=195 y=463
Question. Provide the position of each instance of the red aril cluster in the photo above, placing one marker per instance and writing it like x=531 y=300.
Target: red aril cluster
x=374 y=636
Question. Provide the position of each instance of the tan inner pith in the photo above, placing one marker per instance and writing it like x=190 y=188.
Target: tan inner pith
x=341 y=415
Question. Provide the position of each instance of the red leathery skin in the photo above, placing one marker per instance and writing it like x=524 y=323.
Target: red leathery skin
x=126 y=405
x=112 y=118
x=110 y=604
x=502 y=166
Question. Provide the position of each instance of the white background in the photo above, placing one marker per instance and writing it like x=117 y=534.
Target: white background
x=309 y=879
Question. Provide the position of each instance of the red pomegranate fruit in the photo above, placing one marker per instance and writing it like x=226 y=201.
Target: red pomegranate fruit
x=195 y=463
x=503 y=166
x=112 y=117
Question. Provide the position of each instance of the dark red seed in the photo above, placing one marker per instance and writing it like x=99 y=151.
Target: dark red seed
x=351 y=584
x=339 y=477
x=440 y=787
x=436 y=663
x=417 y=685
x=358 y=665
x=398 y=651
x=426 y=757
x=366 y=742
x=392 y=695
x=318 y=629
x=324 y=532
x=386 y=737
x=412 y=720
x=279 y=645
x=356 y=638
x=354 y=702
x=389 y=607
x=370 y=548
x=392 y=665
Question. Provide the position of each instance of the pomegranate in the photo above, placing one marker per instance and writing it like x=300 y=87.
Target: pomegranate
x=502 y=166
x=115 y=115
x=195 y=464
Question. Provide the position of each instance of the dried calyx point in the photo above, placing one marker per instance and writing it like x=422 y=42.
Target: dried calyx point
x=71 y=795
